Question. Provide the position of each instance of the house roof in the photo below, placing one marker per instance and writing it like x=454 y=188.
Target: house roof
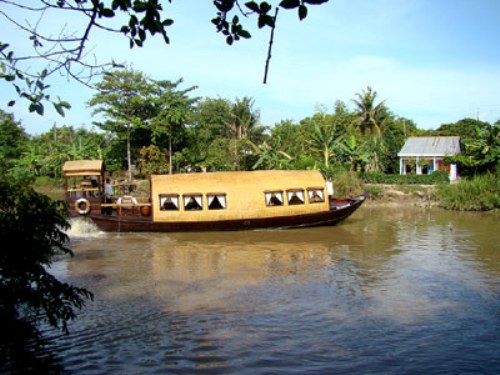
x=431 y=146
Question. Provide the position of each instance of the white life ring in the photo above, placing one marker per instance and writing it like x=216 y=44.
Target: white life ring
x=82 y=206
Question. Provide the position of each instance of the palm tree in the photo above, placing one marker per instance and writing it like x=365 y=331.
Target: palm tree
x=241 y=126
x=243 y=118
x=322 y=140
x=270 y=156
x=370 y=116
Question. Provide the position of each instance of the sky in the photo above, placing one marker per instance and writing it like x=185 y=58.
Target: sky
x=432 y=62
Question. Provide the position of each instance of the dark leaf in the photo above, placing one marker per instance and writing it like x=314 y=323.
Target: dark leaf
x=252 y=5
x=315 y=2
x=302 y=12
x=290 y=4
x=106 y=12
x=11 y=103
x=265 y=7
x=245 y=34
x=167 y=22
x=39 y=109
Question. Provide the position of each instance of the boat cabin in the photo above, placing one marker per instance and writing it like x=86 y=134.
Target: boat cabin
x=236 y=195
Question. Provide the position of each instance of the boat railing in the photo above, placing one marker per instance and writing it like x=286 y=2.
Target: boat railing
x=135 y=209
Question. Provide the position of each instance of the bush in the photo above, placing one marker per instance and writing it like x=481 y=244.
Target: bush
x=347 y=184
x=32 y=233
x=481 y=193
x=436 y=178
x=375 y=192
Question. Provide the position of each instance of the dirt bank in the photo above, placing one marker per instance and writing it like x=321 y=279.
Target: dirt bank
x=416 y=195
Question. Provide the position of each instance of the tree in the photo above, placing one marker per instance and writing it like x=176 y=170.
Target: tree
x=13 y=140
x=172 y=109
x=207 y=124
x=270 y=156
x=370 y=115
x=124 y=101
x=482 y=153
x=242 y=126
x=32 y=233
x=66 y=54
x=465 y=128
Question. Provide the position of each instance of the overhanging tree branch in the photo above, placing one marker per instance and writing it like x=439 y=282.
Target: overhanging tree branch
x=68 y=52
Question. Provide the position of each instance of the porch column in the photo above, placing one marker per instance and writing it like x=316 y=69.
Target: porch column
x=418 y=167
x=402 y=166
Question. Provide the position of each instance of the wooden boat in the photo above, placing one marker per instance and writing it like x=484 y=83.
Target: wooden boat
x=208 y=201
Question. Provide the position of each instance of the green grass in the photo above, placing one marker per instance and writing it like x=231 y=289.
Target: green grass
x=481 y=193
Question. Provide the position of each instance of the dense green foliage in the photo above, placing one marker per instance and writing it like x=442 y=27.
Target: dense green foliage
x=159 y=126
x=32 y=233
x=480 y=193
x=436 y=178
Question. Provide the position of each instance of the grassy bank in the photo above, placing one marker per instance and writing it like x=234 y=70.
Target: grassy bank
x=482 y=193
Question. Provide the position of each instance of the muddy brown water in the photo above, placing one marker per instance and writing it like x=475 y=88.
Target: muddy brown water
x=394 y=290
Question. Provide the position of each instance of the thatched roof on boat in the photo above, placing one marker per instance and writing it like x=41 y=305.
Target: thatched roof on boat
x=83 y=167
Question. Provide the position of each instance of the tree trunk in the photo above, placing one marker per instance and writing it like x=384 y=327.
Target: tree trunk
x=170 y=152
x=129 y=159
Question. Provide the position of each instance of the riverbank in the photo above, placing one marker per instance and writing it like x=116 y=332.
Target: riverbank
x=415 y=195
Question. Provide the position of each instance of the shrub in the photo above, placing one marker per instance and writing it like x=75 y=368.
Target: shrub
x=481 y=193
x=347 y=184
x=32 y=233
x=436 y=178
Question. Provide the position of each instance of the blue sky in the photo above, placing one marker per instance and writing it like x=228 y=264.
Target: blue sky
x=432 y=61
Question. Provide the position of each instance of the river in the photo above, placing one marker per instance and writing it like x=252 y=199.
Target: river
x=389 y=291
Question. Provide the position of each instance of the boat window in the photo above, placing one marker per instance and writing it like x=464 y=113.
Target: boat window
x=169 y=202
x=216 y=201
x=274 y=198
x=295 y=196
x=192 y=202
x=316 y=195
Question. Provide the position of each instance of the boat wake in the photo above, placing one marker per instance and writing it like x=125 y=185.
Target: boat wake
x=83 y=227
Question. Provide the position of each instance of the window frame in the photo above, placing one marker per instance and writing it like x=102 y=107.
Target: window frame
x=312 y=190
x=291 y=193
x=270 y=194
x=198 y=197
x=212 y=196
x=163 y=197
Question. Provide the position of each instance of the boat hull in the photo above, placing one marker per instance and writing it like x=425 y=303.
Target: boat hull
x=337 y=212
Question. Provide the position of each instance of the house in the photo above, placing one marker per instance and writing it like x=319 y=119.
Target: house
x=427 y=154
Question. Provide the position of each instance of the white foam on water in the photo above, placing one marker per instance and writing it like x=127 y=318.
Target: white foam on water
x=83 y=227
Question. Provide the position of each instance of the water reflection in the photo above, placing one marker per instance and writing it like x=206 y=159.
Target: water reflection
x=387 y=291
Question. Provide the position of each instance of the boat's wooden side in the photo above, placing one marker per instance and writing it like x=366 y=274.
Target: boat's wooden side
x=144 y=224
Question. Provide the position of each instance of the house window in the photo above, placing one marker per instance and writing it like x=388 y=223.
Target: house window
x=192 y=202
x=316 y=195
x=169 y=202
x=216 y=201
x=274 y=198
x=295 y=196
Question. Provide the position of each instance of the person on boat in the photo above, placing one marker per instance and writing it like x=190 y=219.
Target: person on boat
x=108 y=195
x=329 y=188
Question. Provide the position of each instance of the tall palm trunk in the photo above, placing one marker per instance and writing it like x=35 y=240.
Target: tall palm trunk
x=129 y=157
